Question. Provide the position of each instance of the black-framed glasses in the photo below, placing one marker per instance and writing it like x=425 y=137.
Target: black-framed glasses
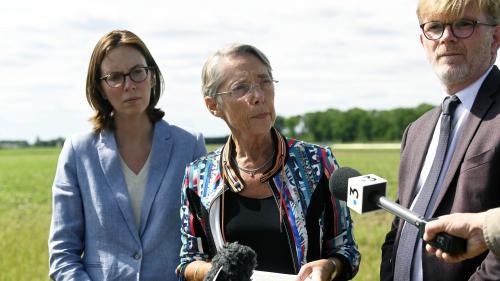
x=241 y=89
x=462 y=28
x=116 y=79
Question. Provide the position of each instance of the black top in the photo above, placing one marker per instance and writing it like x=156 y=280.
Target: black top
x=255 y=223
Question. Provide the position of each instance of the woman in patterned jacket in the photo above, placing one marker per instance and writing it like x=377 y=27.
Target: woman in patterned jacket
x=261 y=189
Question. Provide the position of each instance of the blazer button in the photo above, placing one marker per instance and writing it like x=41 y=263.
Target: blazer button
x=137 y=255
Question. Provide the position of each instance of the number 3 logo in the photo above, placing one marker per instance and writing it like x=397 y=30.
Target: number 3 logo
x=353 y=192
x=369 y=178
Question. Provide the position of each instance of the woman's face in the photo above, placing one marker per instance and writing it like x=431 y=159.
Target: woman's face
x=131 y=97
x=247 y=95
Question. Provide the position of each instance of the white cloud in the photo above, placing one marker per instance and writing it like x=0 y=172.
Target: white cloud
x=339 y=54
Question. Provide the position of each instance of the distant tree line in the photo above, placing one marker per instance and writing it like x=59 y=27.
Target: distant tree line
x=9 y=144
x=332 y=125
x=353 y=125
x=13 y=144
x=58 y=142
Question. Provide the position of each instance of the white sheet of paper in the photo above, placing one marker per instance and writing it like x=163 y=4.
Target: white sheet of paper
x=271 y=276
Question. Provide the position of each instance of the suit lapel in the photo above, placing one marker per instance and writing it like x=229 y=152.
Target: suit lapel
x=419 y=142
x=483 y=102
x=160 y=156
x=110 y=164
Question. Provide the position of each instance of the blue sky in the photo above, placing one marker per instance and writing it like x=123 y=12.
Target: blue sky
x=325 y=53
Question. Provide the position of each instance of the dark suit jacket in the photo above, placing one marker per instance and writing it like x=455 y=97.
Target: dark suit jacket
x=472 y=183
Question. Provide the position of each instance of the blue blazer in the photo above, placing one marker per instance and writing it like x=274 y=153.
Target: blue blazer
x=93 y=235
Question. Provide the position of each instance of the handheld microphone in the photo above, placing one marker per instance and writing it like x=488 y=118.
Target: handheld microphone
x=234 y=262
x=367 y=193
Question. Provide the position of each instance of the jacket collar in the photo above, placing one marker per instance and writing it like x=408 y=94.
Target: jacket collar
x=161 y=154
x=230 y=172
x=110 y=163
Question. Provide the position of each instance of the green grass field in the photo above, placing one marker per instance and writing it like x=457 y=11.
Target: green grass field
x=26 y=177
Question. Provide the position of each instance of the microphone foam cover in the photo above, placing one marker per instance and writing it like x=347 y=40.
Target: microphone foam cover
x=339 y=181
x=234 y=262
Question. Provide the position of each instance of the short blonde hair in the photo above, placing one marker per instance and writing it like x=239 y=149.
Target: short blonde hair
x=211 y=76
x=454 y=9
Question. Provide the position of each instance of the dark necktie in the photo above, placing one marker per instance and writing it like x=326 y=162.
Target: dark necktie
x=408 y=240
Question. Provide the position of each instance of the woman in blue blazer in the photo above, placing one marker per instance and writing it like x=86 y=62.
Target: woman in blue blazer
x=116 y=193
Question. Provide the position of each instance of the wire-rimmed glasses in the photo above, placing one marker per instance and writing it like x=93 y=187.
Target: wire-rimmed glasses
x=241 y=89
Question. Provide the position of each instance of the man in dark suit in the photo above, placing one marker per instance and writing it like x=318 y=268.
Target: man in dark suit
x=450 y=157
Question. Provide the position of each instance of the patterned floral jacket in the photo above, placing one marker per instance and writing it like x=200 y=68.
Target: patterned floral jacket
x=307 y=168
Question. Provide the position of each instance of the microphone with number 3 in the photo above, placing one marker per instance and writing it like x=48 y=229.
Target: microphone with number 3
x=367 y=193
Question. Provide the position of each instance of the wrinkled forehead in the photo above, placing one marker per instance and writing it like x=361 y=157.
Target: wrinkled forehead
x=447 y=11
x=246 y=76
x=246 y=67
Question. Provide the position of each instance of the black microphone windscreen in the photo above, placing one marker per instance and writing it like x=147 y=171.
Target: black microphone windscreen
x=234 y=262
x=340 y=180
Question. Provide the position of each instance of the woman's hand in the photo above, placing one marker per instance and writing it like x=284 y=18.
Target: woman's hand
x=320 y=270
x=196 y=270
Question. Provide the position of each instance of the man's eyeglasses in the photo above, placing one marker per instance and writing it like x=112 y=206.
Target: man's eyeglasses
x=241 y=89
x=462 y=28
x=117 y=79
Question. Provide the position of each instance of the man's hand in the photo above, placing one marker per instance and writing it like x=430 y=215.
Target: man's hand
x=465 y=225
